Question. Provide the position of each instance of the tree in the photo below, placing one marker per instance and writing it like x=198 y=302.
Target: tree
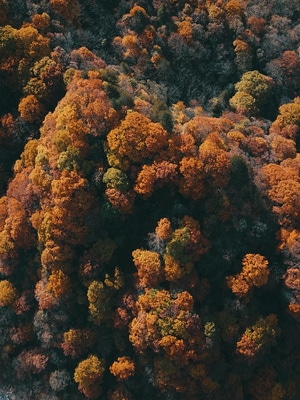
x=292 y=282
x=283 y=147
x=114 y=178
x=191 y=178
x=41 y=21
x=187 y=243
x=137 y=19
x=135 y=140
x=57 y=256
x=164 y=229
x=185 y=29
x=258 y=339
x=16 y=231
x=59 y=380
x=100 y=296
x=166 y=323
x=31 y=109
x=78 y=342
x=89 y=374
x=255 y=273
x=253 y=93
x=122 y=201
x=289 y=114
x=155 y=175
x=32 y=361
x=243 y=58
x=59 y=284
x=8 y=293
x=145 y=181
x=149 y=268
x=285 y=197
x=244 y=103
x=123 y=368
x=69 y=10
x=290 y=66
x=46 y=299
x=215 y=159
x=264 y=385
x=257 y=25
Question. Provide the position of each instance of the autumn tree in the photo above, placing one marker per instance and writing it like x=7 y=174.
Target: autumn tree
x=134 y=141
x=31 y=110
x=100 y=296
x=191 y=178
x=41 y=21
x=31 y=361
x=89 y=374
x=149 y=268
x=166 y=333
x=258 y=339
x=215 y=159
x=69 y=10
x=137 y=18
x=289 y=114
x=8 y=293
x=123 y=368
x=253 y=92
x=78 y=342
x=255 y=273
x=166 y=325
x=57 y=257
x=59 y=284
x=184 y=248
x=174 y=250
x=243 y=55
x=154 y=176
x=265 y=384
x=292 y=282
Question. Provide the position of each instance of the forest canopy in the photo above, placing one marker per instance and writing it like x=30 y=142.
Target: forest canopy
x=149 y=199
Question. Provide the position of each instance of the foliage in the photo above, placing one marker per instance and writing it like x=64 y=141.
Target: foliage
x=8 y=293
x=253 y=92
x=123 y=368
x=258 y=338
x=88 y=374
x=149 y=205
x=136 y=140
x=255 y=273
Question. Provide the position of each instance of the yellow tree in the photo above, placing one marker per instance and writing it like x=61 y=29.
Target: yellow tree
x=89 y=374
x=8 y=293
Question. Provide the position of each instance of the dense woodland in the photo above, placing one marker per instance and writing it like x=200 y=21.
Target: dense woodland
x=150 y=199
